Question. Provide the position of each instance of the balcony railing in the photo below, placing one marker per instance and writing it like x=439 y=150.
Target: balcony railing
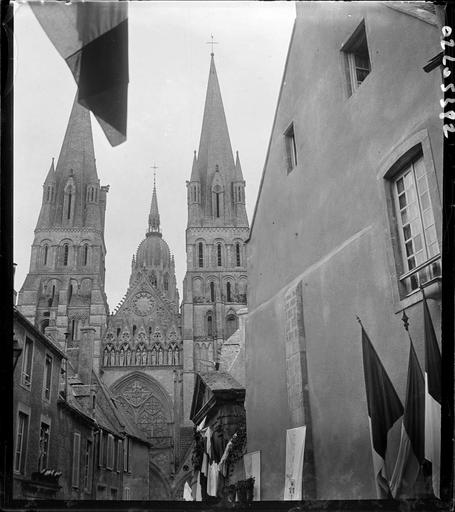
x=421 y=275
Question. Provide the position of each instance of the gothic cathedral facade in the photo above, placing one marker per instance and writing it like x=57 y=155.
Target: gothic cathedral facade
x=146 y=353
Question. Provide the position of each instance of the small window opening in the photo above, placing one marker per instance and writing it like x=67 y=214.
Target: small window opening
x=212 y=291
x=237 y=254
x=218 y=248
x=356 y=59
x=291 y=148
x=201 y=254
x=228 y=292
x=65 y=254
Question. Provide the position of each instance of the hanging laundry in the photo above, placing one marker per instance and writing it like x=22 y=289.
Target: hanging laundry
x=212 y=479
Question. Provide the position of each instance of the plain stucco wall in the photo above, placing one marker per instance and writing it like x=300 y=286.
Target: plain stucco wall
x=328 y=225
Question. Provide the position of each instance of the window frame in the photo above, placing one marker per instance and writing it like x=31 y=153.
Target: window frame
x=27 y=358
x=43 y=462
x=350 y=50
x=47 y=377
x=388 y=168
x=22 y=452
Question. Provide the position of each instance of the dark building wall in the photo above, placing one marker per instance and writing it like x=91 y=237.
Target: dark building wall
x=137 y=480
x=31 y=401
x=329 y=223
x=70 y=422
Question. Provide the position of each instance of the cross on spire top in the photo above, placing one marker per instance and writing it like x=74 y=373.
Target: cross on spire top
x=212 y=42
x=154 y=167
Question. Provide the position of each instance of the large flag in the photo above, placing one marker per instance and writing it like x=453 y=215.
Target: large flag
x=384 y=410
x=432 y=399
x=295 y=448
x=411 y=453
x=92 y=37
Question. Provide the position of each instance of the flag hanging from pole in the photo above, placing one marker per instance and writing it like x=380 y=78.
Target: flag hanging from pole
x=432 y=399
x=384 y=410
x=411 y=453
x=92 y=38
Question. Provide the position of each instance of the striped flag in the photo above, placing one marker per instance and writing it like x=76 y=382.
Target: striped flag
x=92 y=37
x=411 y=453
x=384 y=410
x=432 y=399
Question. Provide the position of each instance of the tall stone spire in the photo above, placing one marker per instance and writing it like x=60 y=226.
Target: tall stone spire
x=154 y=216
x=215 y=145
x=77 y=199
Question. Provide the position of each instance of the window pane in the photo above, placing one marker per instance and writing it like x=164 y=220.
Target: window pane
x=409 y=248
x=419 y=167
x=418 y=243
x=407 y=232
x=404 y=216
x=425 y=201
x=428 y=219
x=400 y=186
x=430 y=234
x=402 y=200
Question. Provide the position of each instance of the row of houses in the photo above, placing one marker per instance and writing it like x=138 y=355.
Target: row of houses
x=70 y=440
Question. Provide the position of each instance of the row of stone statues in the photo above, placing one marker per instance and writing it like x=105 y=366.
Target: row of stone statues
x=141 y=356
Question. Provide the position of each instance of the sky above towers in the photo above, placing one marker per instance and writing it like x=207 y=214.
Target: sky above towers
x=169 y=68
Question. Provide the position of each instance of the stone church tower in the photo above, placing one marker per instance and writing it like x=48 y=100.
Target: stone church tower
x=64 y=289
x=142 y=358
x=215 y=285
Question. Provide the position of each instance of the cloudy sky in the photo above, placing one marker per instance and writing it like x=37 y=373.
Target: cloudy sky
x=169 y=65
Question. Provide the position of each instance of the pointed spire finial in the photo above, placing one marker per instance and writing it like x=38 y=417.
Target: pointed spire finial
x=154 y=216
x=212 y=42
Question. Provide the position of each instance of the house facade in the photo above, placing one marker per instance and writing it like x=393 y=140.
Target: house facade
x=350 y=200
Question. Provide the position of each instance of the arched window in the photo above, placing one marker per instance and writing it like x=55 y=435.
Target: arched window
x=166 y=282
x=228 y=292
x=134 y=330
x=231 y=325
x=85 y=255
x=219 y=259
x=46 y=249
x=65 y=254
x=118 y=331
x=153 y=278
x=201 y=254
x=212 y=291
x=70 y=292
x=237 y=254
x=209 y=325
x=53 y=293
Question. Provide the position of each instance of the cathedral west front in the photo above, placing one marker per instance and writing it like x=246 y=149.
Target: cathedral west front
x=145 y=354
